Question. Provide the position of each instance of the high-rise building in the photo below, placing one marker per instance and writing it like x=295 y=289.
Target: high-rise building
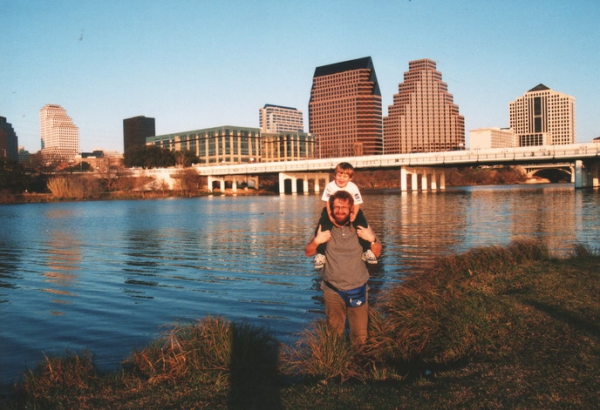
x=345 y=109
x=136 y=130
x=276 y=118
x=423 y=117
x=543 y=117
x=60 y=137
x=9 y=141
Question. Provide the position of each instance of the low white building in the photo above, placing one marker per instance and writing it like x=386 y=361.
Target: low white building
x=484 y=138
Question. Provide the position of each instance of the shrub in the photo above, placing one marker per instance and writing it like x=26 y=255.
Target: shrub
x=74 y=187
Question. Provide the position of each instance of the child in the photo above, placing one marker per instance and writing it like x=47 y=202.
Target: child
x=344 y=172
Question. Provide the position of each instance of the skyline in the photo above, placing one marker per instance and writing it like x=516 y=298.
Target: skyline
x=193 y=65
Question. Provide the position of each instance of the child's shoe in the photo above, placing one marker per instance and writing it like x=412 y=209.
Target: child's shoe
x=369 y=257
x=320 y=261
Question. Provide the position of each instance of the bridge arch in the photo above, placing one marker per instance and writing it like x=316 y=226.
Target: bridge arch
x=554 y=175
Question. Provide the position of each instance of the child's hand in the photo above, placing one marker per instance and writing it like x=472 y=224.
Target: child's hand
x=330 y=216
x=352 y=216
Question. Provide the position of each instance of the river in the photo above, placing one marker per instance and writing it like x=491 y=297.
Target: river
x=108 y=276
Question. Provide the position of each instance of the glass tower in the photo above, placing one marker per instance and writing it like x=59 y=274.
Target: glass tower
x=345 y=110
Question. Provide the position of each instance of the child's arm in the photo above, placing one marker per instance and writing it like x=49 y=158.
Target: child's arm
x=329 y=213
x=353 y=214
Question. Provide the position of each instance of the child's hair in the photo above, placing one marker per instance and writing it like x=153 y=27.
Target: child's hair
x=345 y=168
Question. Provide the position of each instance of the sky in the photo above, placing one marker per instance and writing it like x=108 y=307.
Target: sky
x=194 y=64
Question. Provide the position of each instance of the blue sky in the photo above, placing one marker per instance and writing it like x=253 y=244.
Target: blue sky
x=197 y=63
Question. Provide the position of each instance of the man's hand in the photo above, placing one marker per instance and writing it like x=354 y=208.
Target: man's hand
x=321 y=237
x=365 y=233
x=368 y=235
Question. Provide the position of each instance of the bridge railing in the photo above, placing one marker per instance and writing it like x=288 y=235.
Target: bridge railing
x=451 y=158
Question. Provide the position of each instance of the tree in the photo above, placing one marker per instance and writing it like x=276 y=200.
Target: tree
x=13 y=178
x=149 y=156
x=186 y=158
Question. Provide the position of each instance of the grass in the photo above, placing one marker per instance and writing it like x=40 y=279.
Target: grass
x=494 y=328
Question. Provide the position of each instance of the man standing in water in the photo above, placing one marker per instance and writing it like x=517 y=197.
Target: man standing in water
x=345 y=275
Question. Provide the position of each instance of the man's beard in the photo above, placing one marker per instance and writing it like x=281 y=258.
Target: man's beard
x=343 y=221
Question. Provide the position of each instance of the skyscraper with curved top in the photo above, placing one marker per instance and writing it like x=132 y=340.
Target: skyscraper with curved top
x=345 y=109
x=60 y=137
x=423 y=117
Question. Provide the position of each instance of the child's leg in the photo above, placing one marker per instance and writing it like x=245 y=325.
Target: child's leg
x=360 y=220
x=326 y=225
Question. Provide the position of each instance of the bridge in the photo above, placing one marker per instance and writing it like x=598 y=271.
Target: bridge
x=425 y=170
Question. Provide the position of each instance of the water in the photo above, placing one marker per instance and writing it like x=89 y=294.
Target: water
x=107 y=276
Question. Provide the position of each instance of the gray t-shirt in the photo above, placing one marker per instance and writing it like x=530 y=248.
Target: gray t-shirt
x=345 y=268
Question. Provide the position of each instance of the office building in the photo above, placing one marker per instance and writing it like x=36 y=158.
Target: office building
x=136 y=130
x=543 y=117
x=24 y=156
x=286 y=146
x=345 y=109
x=423 y=116
x=277 y=118
x=9 y=141
x=237 y=145
x=214 y=146
x=60 y=137
x=483 y=138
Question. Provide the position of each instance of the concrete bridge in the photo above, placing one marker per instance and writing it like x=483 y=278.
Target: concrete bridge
x=425 y=171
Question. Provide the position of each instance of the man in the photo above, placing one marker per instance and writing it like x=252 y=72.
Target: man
x=345 y=270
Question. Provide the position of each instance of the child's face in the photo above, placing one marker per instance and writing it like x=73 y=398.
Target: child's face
x=342 y=179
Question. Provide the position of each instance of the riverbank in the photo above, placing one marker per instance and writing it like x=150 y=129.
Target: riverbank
x=366 y=180
x=494 y=328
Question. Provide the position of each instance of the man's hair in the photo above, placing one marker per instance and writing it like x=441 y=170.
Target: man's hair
x=342 y=196
x=345 y=168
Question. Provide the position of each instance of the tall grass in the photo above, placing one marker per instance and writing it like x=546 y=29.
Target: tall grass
x=443 y=315
x=322 y=354
x=206 y=351
x=57 y=376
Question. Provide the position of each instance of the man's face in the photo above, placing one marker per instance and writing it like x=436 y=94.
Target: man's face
x=341 y=211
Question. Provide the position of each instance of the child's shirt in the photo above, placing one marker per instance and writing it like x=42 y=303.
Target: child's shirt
x=331 y=188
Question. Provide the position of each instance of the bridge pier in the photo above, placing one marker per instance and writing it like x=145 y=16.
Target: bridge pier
x=304 y=178
x=433 y=179
x=587 y=174
x=235 y=180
